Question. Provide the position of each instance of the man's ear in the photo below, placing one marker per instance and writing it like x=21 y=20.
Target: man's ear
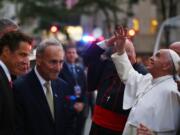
x=38 y=59
x=6 y=51
x=166 y=66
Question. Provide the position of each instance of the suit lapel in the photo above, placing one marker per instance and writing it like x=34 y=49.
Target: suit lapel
x=4 y=78
x=39 y=95
x=67 y=71
x=68 y=74
x=8 y=92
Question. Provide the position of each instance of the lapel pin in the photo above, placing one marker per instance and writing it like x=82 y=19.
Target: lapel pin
x=56 y=95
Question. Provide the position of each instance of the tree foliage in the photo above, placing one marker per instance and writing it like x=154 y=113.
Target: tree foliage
x=48 y=11
x=93 y=6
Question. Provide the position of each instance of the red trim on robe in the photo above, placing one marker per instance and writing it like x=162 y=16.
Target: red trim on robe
x=108 y=119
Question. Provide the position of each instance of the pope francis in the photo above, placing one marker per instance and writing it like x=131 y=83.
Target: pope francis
x=153 y=98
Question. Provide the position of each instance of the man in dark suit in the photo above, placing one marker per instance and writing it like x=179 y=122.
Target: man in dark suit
x=74 y=75
x=14 y=50
x=39 y=94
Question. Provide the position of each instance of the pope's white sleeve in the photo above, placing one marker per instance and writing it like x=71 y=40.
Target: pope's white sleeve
x=123 y=65
x=135 y=83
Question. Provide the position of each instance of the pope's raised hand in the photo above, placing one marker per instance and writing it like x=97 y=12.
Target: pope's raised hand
x=121 y=37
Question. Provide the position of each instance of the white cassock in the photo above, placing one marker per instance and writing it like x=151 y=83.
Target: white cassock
x=154 y=102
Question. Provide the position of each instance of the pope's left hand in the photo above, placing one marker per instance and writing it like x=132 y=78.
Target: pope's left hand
x=143 y=130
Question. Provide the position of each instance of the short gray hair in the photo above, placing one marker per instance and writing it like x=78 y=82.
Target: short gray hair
x=47 y=42
x=5 y=22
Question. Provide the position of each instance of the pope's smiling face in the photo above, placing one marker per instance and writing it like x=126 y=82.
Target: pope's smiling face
x=158 y=64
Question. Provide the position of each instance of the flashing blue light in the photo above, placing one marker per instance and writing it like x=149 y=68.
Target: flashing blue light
x=88 y=38
x=72 y=98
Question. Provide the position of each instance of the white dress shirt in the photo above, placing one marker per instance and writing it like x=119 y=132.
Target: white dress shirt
x=42 y=80
x=5 y=70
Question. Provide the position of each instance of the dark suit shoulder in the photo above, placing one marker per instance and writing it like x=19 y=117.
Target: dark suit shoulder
x=21 y=80
x=140 y=68
x=26 y=82
x=60 y=81
x=62 y=86
x=63 y=70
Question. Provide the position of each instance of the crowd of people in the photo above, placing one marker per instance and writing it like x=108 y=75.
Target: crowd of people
x=53 y=97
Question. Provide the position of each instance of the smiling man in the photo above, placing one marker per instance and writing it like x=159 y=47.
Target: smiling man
x=153 y=98
x=39 y=94
x=15 y=48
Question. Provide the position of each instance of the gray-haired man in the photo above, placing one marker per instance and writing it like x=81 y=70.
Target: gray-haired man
x=39 y=94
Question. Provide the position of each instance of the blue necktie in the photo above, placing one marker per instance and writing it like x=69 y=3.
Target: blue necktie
x=73 y=70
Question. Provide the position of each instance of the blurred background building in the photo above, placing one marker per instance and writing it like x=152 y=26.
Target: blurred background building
x=83 y=21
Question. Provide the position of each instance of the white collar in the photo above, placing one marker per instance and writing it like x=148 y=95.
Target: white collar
x=162 y=78
x=41 y=79
x=4 y=67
